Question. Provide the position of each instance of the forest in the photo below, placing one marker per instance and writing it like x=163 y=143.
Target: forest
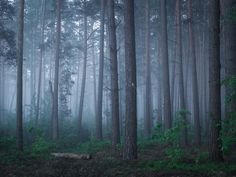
x=117 y=88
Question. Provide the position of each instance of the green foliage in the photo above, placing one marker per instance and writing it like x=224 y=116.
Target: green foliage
x=201 y=157
x=175 y=154
x=232 y=14
x=171 y=136
x=7 y=143
x=93 y=146
x=229 y=124
x=41 y=144
x=170 y=139
x=209 y=168
x=230 y=82
x=229 y=133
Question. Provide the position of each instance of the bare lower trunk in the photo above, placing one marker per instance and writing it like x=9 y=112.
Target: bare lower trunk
x=81 y=103
x=114 y=76
x=181 y=74
x=40 y=64
x=130 y=139
x=100 y=80
x=19 y=97
x=215 y=151
x=55 y=130
x=165 y=67
x=94 y=79
x=194 y=77
x=148 y=115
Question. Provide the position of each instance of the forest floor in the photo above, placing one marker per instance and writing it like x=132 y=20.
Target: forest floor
x=151 y=163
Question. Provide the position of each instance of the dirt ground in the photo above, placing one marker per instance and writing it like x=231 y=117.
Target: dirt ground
x=102 y=164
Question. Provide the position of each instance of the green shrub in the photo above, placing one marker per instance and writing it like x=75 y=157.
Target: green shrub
x=93 y=146
x=7 y=143
x=171 y=138
x=229 y=124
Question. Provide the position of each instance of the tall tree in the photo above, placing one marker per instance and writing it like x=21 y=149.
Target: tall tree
x=40 y=62
x=114 y=75
x=215 y=143
x=85 y=51
x=148 y=115
x=181 y=74
x=100 y=79
x=19 y=100
x=55 y=128
x=229 y=41
x=165 y=65
x=194 y=76
x=130 y=138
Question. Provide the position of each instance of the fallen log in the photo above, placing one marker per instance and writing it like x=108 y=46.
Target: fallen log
x=72 y=156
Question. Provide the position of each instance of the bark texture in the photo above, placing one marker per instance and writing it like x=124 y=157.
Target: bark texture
x=101 y=72
x=165 y=67
x=19 y=95
x=55 y=129
x=114 y=75
x=215 y=143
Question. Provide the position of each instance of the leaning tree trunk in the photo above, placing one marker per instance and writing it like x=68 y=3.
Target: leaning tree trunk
x=215 y=149
x=19 y=96
x=181 y=74
x=114 y=75
x=55 y=130
x=194 y=77
x=165 y=65
x=148 y=115
x=40 y=63
x=100 y=80
x=81 y=103
x=130 y=138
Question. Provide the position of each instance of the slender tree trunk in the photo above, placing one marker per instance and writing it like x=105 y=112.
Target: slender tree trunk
x=114 y=75
x=55 y=126
x=94 y=78
x=2 y=91
x=165 y=69
x=40 y=63
x=181 y=74
x=148 y=116
x=159 y=81
x=130 y=139
x=215 y=151
x=77 y=92
x=101 y=73
x=19 y=102
x=194 y=77
x=82 y=91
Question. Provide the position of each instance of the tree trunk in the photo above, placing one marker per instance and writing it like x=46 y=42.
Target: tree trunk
x=165 y=65
x=215 y=143
x=114 y=75
x=2 y=91
x=148 y=115
x=130 y=139
x=55 y=128
x=194 y=77
x=229 y=39
x=19 y=102
x=82 y=91
x=181 y=74
x=40 y=63
x=100 y=81
x=94 y=79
